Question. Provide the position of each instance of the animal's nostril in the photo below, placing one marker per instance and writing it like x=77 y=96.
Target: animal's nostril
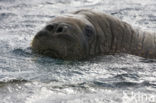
x=59 y=30
x=50 y=27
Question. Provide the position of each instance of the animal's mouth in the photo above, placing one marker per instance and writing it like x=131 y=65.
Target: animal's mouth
x=51 y=53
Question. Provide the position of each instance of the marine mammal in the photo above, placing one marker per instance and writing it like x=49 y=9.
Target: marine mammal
x=86 y=33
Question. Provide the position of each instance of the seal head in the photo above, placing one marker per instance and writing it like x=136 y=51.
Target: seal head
x=66 y=37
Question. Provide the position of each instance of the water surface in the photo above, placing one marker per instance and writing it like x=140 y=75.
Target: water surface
x=29 y=78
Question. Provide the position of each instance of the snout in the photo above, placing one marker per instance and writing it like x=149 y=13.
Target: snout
x=56 y=30
x=43 y=34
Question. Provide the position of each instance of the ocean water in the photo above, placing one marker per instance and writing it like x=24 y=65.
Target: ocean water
x=29 y=78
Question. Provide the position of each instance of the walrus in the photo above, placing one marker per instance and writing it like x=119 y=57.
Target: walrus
x=86 y=33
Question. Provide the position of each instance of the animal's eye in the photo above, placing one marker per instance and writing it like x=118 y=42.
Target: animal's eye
x=89 y=31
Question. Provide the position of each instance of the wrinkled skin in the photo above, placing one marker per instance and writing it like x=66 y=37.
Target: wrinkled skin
x=85 y=33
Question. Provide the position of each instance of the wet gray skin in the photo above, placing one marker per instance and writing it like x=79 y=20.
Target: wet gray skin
x=86 y=33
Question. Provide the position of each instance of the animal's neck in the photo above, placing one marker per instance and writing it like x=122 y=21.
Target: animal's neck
x=135 y=41
x=125 y=39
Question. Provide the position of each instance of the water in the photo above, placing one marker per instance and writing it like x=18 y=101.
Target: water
x=29 y=78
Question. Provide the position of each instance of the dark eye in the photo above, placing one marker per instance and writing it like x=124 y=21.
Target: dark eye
x=89 y=31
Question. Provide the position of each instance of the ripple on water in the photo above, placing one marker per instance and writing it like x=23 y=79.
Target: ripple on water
x=4 y=15
x=26 y=77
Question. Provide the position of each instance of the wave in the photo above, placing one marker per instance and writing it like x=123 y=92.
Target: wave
x=12 y=81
